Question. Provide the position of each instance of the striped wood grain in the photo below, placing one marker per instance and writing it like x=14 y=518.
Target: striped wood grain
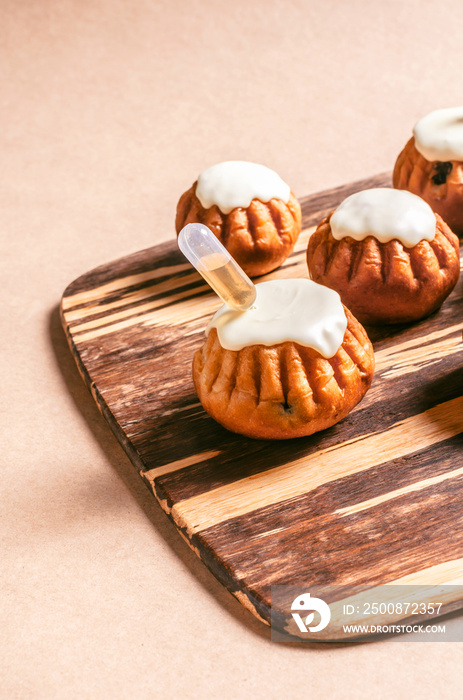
x=375 y=499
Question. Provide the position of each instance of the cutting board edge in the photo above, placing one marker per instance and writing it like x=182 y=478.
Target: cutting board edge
x=242 y=593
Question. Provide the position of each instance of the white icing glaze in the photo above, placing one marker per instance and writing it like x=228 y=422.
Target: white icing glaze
x=386 y=214
x=235 y=183
x=439 y=135
x=297 y=310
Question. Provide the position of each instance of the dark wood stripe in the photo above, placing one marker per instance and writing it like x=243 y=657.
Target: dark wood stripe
x=315 y=507
x=363 y=549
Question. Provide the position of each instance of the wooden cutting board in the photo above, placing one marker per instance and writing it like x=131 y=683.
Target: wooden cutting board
x=375 y=499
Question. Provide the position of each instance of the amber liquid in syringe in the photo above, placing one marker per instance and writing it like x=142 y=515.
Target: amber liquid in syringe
x=221 y=273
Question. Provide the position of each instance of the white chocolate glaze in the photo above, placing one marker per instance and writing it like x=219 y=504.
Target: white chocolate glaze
x=235 y=183
x=439 y=135
x=386 y=214
x=297 y=310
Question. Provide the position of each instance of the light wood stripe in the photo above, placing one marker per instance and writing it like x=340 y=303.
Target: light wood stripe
x=152 y=474
x=417 y=486
x=449 y=573
x=307 y=473
x=193 y=311
x=182 y=409
x=133 y=297
x=98 y=293
x=419 y=357
x=136 y=312
x=417 y=347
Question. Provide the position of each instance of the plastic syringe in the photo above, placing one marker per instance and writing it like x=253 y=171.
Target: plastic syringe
x=213 y=261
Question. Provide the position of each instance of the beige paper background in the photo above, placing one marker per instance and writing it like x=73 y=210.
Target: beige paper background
x=109 y=109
